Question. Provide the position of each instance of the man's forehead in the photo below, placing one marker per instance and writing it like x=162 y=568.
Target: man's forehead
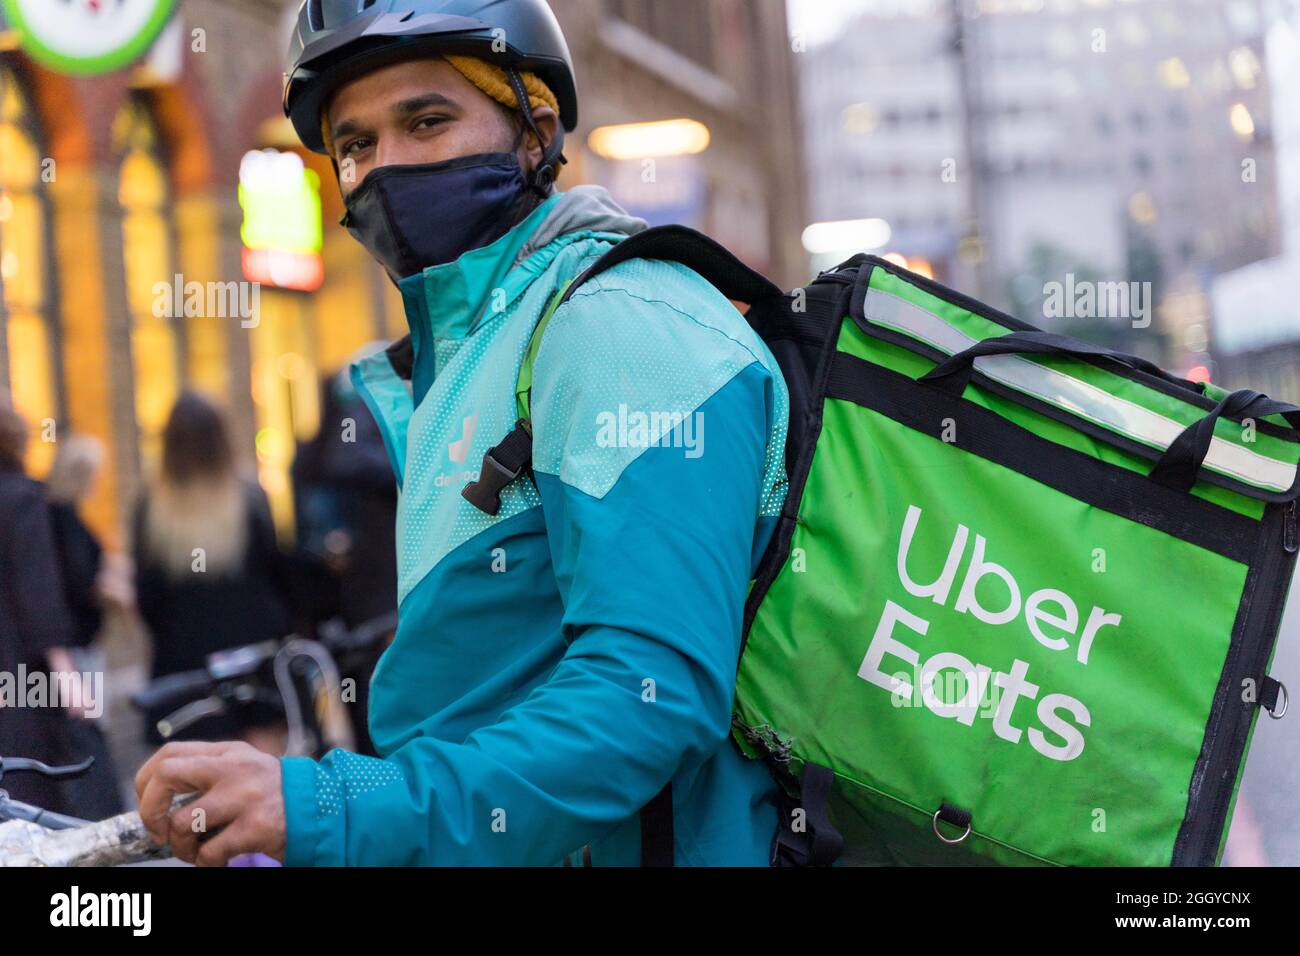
x=400 y=87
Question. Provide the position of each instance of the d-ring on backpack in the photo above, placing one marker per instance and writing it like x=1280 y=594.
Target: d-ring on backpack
x=1022 y=599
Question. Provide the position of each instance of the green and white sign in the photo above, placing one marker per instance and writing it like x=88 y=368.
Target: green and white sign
x=87 y=37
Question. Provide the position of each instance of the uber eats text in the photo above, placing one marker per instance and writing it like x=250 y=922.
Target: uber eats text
x=1050 y=617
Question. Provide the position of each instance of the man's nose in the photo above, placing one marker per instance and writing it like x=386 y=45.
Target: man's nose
x=385 y=152
x=395 y=151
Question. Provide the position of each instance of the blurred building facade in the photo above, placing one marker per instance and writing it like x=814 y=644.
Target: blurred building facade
x=112 y=184
x=1126 y=141
x=1256 y=321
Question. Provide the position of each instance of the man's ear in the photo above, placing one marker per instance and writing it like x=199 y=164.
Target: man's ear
x=547 y=123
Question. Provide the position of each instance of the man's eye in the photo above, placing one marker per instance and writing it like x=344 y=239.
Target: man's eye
x=353 y=145
x=429 y=122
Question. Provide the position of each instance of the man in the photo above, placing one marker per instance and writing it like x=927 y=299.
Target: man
x=569 y=660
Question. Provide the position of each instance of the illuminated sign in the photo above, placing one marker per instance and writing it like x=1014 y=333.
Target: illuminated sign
x=282 y=221
x=87 y=36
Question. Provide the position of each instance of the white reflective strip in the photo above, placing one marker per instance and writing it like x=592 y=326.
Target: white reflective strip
x=1074 y=396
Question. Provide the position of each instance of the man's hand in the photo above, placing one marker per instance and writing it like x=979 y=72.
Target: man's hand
x=240 y=808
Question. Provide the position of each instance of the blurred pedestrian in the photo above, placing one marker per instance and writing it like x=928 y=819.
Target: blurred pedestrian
x=81 y=560
x=345 y=494
x=209 y=575
x=35 y=626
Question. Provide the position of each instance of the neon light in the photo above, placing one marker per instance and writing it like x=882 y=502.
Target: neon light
x=282 y=221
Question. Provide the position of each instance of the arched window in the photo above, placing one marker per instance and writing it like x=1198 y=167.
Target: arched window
x=27 y=318
x=144 y=195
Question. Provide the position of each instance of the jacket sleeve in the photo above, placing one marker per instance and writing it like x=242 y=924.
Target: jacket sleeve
x=652 y=556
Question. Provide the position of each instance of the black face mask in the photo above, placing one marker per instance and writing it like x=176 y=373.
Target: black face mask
x=414 y=217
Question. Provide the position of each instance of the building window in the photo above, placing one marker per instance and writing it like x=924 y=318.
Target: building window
x=144 y=195
x=26 y=314
x=684 y=25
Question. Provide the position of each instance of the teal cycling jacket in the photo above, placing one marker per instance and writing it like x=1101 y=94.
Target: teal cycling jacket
x=556 y=664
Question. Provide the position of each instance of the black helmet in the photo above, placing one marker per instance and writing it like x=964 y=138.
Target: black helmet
x=338 y=40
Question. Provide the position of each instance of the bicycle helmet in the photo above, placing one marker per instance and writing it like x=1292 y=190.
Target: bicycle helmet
x=336 y=41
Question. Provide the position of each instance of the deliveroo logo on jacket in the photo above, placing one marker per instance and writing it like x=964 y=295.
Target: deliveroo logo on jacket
x=458 y=450
x=458 y=453
x=1059 y=714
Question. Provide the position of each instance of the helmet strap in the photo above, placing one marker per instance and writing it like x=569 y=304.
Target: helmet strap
x=543 y=179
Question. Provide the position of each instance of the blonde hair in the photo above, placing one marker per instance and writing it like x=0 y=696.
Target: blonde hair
x=75 y=466
x=197 y=505
x=205 y=517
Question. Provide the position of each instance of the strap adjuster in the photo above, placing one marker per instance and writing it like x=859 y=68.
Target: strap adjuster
x=485 y=493
x=502 y=464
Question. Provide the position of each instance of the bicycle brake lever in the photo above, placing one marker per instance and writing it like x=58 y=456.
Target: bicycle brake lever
x=194 y=711
x=27 y=764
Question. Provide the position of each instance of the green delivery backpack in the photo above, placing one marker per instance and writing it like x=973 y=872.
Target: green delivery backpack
x=1021 y=602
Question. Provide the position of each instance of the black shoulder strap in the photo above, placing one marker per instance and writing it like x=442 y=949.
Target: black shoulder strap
x=692 y=249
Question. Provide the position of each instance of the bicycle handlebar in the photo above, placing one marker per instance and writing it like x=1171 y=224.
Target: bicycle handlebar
x=172 y=690
x=11 y=809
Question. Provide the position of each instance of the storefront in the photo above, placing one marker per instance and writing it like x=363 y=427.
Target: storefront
x=120 y=185
x=119 y=196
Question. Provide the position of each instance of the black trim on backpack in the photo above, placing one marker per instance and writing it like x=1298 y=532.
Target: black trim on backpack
x=800 y=448
x=1166 y=383
x=1219 y=762
x=817 y=843
x=1261 y=546
x=692 y=249
x=989 y=436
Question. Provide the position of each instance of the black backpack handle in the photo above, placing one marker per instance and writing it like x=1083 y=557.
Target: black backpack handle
x=954 y=373
x=692 y=249
x=1181 y=463
x=1179 y=466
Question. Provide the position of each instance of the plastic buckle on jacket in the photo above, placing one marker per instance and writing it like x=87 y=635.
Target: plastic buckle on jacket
x=485 y=493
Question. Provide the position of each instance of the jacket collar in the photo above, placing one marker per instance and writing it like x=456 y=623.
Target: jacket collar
x=447 y=301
